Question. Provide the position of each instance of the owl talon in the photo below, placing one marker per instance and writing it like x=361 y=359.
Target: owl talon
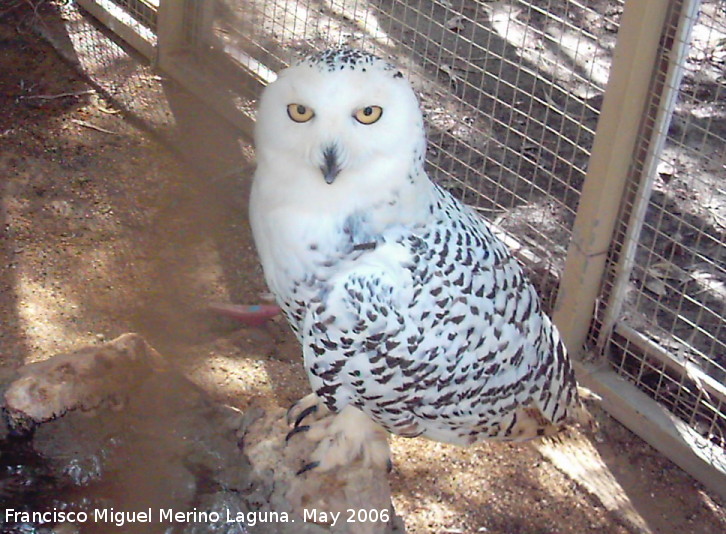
x=296 y=430
x=307 y=411
x=307 y=467
x=308 y=405
x=344 y=438
x=289 y=415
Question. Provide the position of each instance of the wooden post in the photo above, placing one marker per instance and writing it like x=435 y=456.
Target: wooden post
x=635 y=62
x=184 y=32
x=171 y=37
x=674 y=50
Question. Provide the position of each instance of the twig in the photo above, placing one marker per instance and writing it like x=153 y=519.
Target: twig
x=9 y=9
x=53 y=97
x=108 y=111
x=94 y=127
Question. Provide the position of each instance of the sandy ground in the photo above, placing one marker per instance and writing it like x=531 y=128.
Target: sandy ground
x=104 y=231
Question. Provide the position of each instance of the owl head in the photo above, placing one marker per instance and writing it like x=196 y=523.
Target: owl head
x=340 y=120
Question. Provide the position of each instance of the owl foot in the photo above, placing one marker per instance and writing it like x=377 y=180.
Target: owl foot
x=310 y=405
x=341 y=438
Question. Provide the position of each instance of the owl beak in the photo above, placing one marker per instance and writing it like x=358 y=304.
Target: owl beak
x=331 y=167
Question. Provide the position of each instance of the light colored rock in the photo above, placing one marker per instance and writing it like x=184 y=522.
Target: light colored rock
x=85 y=379
x=353 y=494
x=119 y=427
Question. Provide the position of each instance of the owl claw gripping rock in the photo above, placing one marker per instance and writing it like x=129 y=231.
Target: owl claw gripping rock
x=413 y=317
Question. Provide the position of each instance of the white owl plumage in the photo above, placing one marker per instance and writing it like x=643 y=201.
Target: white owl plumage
x=412 y=315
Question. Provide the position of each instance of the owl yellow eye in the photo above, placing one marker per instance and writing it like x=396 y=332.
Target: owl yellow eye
x=299 y=113
x=368 y=114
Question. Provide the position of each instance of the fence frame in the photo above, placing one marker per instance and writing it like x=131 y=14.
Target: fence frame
x=616 y=139
x=619 y=135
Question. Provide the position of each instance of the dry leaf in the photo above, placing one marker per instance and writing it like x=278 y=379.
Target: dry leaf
x=666 y=270
x=710 y=282
x=502 y=11
x=456 y=24
x=656 y=285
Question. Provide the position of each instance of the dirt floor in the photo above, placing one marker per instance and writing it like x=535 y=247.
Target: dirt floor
x=103 y=231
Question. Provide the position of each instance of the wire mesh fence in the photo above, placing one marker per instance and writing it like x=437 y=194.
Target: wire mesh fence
x=667 y=332
x=144 y=11
x=115 y=67
x=512 y=93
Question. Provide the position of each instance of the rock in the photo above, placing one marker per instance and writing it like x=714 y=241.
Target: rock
x=117 y=428
x=358 y=496
x=86 y=379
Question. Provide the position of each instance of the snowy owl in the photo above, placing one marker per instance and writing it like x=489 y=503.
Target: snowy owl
x=413 y=317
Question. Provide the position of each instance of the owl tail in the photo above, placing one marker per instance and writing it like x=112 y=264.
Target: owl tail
x=530 y=423
x=581 y=415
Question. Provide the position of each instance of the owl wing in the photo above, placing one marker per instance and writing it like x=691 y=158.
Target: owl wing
x=358 y=346
x=345 y=331
x=378 y=337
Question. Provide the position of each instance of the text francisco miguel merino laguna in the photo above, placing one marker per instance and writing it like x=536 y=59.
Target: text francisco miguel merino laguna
x=167 y=515
x=120 y=518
